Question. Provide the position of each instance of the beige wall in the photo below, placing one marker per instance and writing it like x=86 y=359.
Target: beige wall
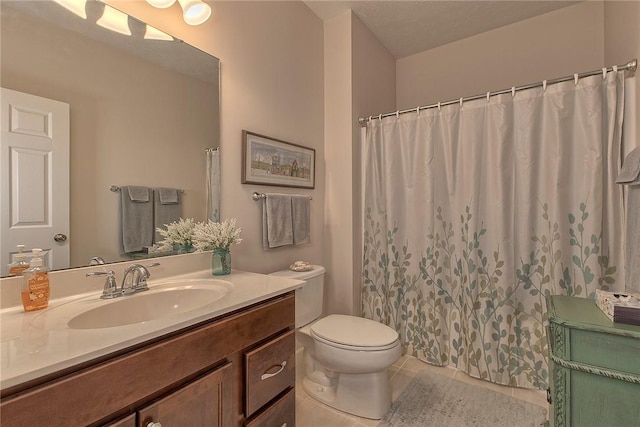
x=338 y=253
x=119 y=136
x=359 y=79
x=555 y=44
x=271 y=56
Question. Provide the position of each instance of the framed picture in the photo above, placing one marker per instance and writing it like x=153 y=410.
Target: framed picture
x=269 y=161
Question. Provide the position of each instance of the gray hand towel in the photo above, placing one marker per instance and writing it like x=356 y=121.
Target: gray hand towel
x=167 y=208
x=168 y=196
x=137 y=194
x=300 y=208
x=630 y=168
x=630 y=175
x=136 y=218
x=277 y=223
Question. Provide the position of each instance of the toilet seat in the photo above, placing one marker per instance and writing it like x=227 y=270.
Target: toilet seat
x=354 y=333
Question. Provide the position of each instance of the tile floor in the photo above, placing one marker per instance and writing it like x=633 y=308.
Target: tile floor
x=311 y=413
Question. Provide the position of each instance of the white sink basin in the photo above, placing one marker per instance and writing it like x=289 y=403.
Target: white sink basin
x=162 y=300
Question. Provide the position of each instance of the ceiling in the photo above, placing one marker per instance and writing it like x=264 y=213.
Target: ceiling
x=408 y=27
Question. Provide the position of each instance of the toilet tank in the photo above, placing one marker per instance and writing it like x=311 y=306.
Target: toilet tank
x=309 y=297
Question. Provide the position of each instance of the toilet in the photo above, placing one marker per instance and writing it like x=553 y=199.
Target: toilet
x=345 y=357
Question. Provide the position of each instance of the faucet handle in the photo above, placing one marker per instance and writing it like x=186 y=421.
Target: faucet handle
x=110 y=289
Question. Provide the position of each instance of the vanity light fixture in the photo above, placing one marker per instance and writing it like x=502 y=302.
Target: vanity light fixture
x=152 y=33
x=75 y=6
x=114 y=20
x=194 y=12
x=161 y=4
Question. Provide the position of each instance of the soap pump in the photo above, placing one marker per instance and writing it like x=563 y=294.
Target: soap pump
x=35 y=284
x=19 y=263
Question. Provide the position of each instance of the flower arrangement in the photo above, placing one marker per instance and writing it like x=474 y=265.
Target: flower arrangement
x=177 y=233
x=216 y=235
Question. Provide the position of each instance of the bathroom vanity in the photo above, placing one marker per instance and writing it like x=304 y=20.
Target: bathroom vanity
x=594 y=366
x=229 y=364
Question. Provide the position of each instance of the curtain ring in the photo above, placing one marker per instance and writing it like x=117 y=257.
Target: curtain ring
x=418 y=110
x=439 y=105
x=615 y=68
x=575 y=79
x=380 y=117
x=513 y=91
x=544 y=85
x=397 y=114
x=488 y=96
x=604 y=73
x=461 y=102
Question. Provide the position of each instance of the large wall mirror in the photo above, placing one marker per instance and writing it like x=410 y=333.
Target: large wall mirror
x=143 y=111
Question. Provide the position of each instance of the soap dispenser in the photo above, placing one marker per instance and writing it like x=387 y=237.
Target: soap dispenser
x=35 y=284
x=19 y=263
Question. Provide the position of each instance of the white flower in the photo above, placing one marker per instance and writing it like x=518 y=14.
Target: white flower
x=210 y=235
x=177 y=233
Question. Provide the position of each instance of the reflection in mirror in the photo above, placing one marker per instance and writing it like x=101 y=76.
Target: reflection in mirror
x=142 y=112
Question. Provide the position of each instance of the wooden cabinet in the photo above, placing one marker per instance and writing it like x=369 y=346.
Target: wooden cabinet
x=191 y=377
x=269 y=370
x=594 y=366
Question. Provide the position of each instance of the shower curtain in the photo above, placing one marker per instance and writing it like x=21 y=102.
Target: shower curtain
x=213 y=184
x=474 y=212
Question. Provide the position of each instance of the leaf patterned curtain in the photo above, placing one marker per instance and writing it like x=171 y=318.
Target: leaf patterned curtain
x=475 y=212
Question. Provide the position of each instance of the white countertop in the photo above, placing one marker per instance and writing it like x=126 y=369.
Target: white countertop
x=36 y=344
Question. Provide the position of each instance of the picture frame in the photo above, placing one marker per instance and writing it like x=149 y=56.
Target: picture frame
x=270 y=161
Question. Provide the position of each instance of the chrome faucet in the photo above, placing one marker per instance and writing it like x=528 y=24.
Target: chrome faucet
x=135 y=279
x=96 y=260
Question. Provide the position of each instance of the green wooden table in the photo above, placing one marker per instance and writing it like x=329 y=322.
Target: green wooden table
x=594 y=366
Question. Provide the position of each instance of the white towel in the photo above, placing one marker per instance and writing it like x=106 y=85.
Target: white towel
x=630 y=176
x=136 y=218
x=277 y=222
x=300 y=208
x=167 y=209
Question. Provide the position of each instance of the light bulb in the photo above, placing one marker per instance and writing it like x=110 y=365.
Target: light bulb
x=161 y=4
x=195 y=12
x=152 y=33
x=114 y=20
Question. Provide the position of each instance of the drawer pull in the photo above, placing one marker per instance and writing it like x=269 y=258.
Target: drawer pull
x=282 y=365
x=284 y=425
x=153 y=424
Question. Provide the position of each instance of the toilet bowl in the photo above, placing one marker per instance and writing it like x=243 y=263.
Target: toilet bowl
x=345 y=357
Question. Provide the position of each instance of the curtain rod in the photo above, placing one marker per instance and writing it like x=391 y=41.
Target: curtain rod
x=630 y=66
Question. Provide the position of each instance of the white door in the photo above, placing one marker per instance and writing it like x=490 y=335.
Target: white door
x=34 y=177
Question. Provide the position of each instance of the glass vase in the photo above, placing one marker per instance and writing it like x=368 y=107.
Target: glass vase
x=185 y=249
x=221 y=261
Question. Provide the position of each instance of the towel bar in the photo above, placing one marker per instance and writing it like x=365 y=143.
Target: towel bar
x=257 y=196
x=115 y=189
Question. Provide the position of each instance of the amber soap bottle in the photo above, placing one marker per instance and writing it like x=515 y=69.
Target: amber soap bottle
x=35 y=284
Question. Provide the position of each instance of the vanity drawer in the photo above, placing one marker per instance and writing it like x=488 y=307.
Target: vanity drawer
x=282 y=413
x=269 y=370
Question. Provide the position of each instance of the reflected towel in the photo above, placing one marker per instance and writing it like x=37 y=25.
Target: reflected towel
x=300 y=209
x=136 y=218
x=137 y=194
x=167 y=208
x=630 y=176
x=277 y=223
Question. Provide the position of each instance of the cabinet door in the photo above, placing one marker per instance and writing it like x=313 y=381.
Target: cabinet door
x=207 y=401
x=129 y=421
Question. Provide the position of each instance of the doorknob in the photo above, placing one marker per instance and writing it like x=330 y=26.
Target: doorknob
x=60 y=237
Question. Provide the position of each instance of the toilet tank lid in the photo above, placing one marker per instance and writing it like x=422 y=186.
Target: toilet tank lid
x=300 y=275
